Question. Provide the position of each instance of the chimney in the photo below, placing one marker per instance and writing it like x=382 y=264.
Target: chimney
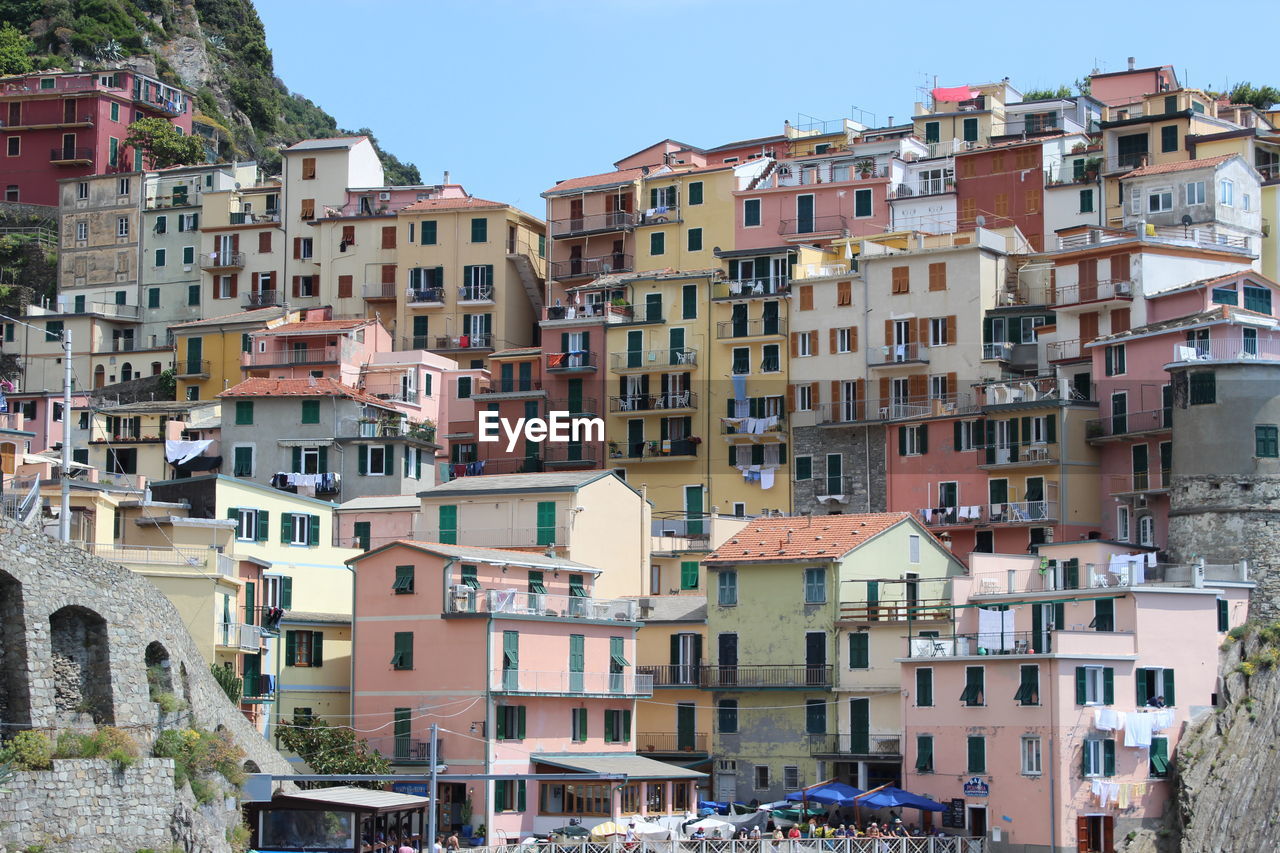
x=446 y=177
x=1132 y=63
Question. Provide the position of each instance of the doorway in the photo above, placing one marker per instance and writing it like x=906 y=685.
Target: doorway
x=815 y=657
x=1095 y=833
x=977 y=820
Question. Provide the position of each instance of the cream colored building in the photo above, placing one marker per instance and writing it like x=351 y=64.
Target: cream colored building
x=242 y=248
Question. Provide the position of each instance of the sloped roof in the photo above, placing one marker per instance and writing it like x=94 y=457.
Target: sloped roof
x=303 y=327
x=1184 y=166
x=326 y=142
x=824 y=537
x=549 y=481
x=617 y=176
x=532 y=559
x=256 y=315
x=308 y=387
x=470 y=202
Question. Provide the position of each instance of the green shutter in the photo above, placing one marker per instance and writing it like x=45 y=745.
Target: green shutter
x=311 y=411
x=390 y=455
x=924 y=753
x=977 y=754
x=297 y=460
x=1051 y=428
x=924 y=687
x=520 y=721
x=1224 y=616
x=546 y=522
x=859 y=651
x=502 y=735
x=695 y=192
x=1084 y=758
x=626 y=726
x=520 y=789
x=608 y=727
x=314 y=531
x=1109 y=757
x=362 y=459
x=689 y=574
x=286 y=593
x=322 y=460
x=317 y=648
x=448 y=517
x=1108 y=686
x=1082 y=690
x=804 y=467
x=427 y=232
x=1159 y=756
x=286 y=528
x=290 y=647
x=264 y=523
x=479 y=230
x=1169 y=698
x=250 y=596
x=244 y=413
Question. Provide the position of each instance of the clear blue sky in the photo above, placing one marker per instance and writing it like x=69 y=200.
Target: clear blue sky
x=512 y=96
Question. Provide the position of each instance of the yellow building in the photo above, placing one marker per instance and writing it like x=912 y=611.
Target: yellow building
x=128 y=441
x=686 y=213
x=242 y=248
x=948 y=126
x=469 y=278
x=209 y=351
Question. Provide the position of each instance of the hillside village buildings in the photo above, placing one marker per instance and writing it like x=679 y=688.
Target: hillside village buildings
x=957 y=410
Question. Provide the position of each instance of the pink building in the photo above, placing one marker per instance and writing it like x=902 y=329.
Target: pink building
x=314 y=347
x=1040 y=723
x=523 y=671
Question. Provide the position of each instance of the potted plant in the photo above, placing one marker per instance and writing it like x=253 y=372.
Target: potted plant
x=1077 y=148
x=865 y=166
x=614 y=452
x=620 y=306
x=1091 y=168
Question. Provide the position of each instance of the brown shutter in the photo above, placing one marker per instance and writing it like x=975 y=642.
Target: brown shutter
x=213 y=288
x=1119 y=320
x=806 y=297
x=791 y=398
x=813 y=395
x=888 y=333
x=297 y=286
x=235 y=242
x=795 y=344
x=953 y=384
x=922 y=331
x=952 y=329
x=253 y=282
x=235 y=281
x=844 y=293
x=938 y=276
x=388 y=273
x=388 y=236
x=853 y=338
x=1120 y=267
x=344 y=287
x=835 y=392
x=349 y=234
x=884 y=390
x=831 y=333
x=297 y=249
x=264 y=242
x=1082 y=834
x=813 y=342
x=918 y=386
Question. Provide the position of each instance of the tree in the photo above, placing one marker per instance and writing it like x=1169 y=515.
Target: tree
x=1262 y=97
x=163 y=145
x=15 y=51
x=231 y=684
x=1063 y=91
x=330 y=749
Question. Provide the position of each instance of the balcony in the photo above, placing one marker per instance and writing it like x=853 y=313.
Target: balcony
x=470 y=601
x=258 y=689
x=140 y=436
x=654 y=451
x=576 y=407
x=964 y=645
x=237 y=636
x=564 y=456
x=461 y=343
x=1199 y=236
x=69 y=156
x=1139 y=483
x=263 y=299
x=908 y=408
x=1126 y=161
x=767 y=676
x=496 y=537
x=686 y=401
x=385 y=290
x=922 y=610
x=884 y=746
x=246 y=217
x=954 y=516
x=998 y=351
x=198 y=559
x=898 y=354
x=924 y=187
x=570 y=362
x=1023 y=512
x=671 y=743
x=1101 y=291
x=761 y=327
x=424 y=297
x=813 y=225
x=593 y=223
x=299 y=356
x=222 y=261
x=768 y=426
x=114 y=309
x=1122 y=424
x=1045 y=387
x=659 y=216
x=751 y=288
x=522 y=682
x=840 y=412
x=662 y=360
x=404 y=750
x=187 y=368
x=124 y=345
x=591 y=267
x=510 y=388
x=475 y=294
x=1240 y=350
x=674 y=675
x=1016 y=455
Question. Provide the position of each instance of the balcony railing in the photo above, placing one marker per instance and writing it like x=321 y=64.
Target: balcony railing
x=1228 y=350
x=654 y=451
x=380 y=290
x=124 y=345
x=308 y=355
x=236 y=635
x=475 y=293
x=674 y=675
x=961 y=645
x=1017 y=454
x=1127 y=161
x=192 y=367
x=595 y=266
x=686 y=400
x=145 y=434
x=771 y=425
x=570 y=362
x=114 y=309
x=404 y=750
x=998 y=351
x=670 y=742
x=197 y=558
x=759 y=327
x=746 y=288
x=928 y=609
x=497 y=537
x=812 y=225
x=465 y=599
x=856 y=743
x=618 y=220
x=924 y=187
x=1023 y=512
x=1139 y=482
x=509 y=385
x=222 y=261
x=1093 y=292
x=841 y=412
x=461 y=342
x=897 y=354
x=257 y=687
x=71 y=155
x=564 y=455
x=561 y=683
x=425 y=296
x=1129 y=423
x=1033 y=388
x=653 y=359
x=658 y=215
x=263 y=299
x=584 y=406
x=954 y=516
x=766 y=675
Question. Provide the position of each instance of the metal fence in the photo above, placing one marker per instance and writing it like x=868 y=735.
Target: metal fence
x=937 y=844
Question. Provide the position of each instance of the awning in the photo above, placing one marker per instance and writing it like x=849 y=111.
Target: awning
x=537 y=587
x=359 y=799
x=622 y=764
x=954 y=93
x=620 y=660
x=890 y=797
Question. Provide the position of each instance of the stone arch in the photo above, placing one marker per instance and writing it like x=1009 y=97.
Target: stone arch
x=126 y=372
x=159 y=669
x=15 y=694
x=81 y=665
x=251 y=766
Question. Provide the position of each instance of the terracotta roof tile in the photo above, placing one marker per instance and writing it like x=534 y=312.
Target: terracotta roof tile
x=468 y=203
x=1162 y=168
x=310 y=387
x=302 y=327
x=803 y=537
x=618 y=176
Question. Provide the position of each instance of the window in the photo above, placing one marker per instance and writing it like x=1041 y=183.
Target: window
x=244 y=412
x=1159 y=757
x=510 y=722
x=509 y=795
x=303 y=648
x=815 y=586
x=617 y=726
x=913 y=548
x=122 y=226
x=974 y=686
x=1114 y=359
x=977 y=755
x=862 y=203
x=741 y=360
x=1146 y=530
x=122 y=186
x=939 y=334
x=82 y=230
x=14 y=146
x=304 y=248
x=402 y=656
x=1257 y=299
x=1086 y=201
x=760 y=777
x=1159 y=201
x=1169 y=138
x=468 y=577
x=769 y=360
x=1193 y=193
x=844 y=340
x=859 y=650
x=913 y=440
x=188 y=255
x=727 y=716
x=1266 y=442
x=728 y=588
x=790 y=777
x=82 y=190
x=1204 y=389
x=688 y=574
x=1028 y=685
x=1155 y=683
x=1095 y=685
x=308 y=168
x=427 y=232
x=1224 y=616
x=479 y=230
x=695 y=239
x=1104 y=614
x=311 y=411
x=1245 y=202
x=1226 y=193
x=804 y=343
x=403 y=583
x=751 y=219
x=803 y=398
x=250 y=523
x=300 y=529
x=924 y=753
x=1031 y=755
x=1098 y=757
x=803 y=467
x=815 y=715
x=657 y=243
x=901 y=279
x=1122 y=523
x=578 y=725
x=924 y=687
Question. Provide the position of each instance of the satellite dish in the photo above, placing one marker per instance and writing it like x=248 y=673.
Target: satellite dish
x=981 y=221
x=237 y=185
x=1186 y=220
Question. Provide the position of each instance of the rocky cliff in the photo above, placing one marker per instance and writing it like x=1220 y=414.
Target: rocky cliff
x=216 y=49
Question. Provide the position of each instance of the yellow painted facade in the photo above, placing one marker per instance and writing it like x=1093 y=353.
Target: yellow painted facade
x=686 y=236
x=212 y=365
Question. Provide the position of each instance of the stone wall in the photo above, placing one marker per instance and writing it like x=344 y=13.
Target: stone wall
x=42 y=584
x=863 y=448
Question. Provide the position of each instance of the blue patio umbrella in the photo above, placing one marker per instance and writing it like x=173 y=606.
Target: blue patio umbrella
x=830 y=794
x=890 y=797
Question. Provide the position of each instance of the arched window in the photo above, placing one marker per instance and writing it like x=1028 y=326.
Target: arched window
x=126 y=372
x=15 y=698
x=99 y=377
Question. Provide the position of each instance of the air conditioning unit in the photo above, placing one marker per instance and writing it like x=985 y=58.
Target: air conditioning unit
x=384 y=196
x=1124 y=288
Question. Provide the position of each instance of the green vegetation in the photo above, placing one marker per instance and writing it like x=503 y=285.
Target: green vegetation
x=1262 y=97
x=197 y=755
x=231 y=684
x=115 y=745
x=29 y=750
x=330 y=749
x=163 y=145
x=1063 y=91
x=15 y=51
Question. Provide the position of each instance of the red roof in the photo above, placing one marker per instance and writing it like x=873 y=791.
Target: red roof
x=470 y=202
x=803 y=537
x=309 y=387
x=1183 y=166
x=618 y=176
x=302 y=327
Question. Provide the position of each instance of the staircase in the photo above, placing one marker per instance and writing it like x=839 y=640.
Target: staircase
x=529 y=278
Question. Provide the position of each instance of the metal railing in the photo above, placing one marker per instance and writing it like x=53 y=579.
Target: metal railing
x=523 y=537
x=988 y=643
x=951 y=516
x=1126 y=423
x=424 y=296
x=21 y=503
x=756 y=426
x=897 y=354
x=308 y=355
x=897 y=611
x=380 y=290
x=856 y=743
x=523 y=681
x=766 y=675
x=70 y=155
x=1138 y=482
x=653 y=402
x=1021 y=453
x=237 y=635
x=1228 y=350
x=651 y=450
x=263 y=299
x=997 y=351
x=1127 y=160
x=580 y=406
x=563 y=455
x=1043 y=387
x=617 y=220
x=565 y=362
x=1202 y=236
x=669 y=213
x=509 y=385
x=475 y=293
x=594 y=266
x=192 y=367
x=812 y=225
x=150 y=433
x=114 y=309
x=1093 y=292
x=935 y=844
x=968 y=515
x=124 y=345
x=743 y=288
x=673 y=675
x=841 y=412
x=222 y=261
x=652 y=359
x=758 y=327
x=671 y=742
x=403 y=750
x=462 y=342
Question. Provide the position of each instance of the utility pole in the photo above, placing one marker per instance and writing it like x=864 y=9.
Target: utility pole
x=64 y=517
x=432 y=814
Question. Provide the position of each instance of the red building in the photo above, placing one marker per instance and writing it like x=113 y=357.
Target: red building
x=1004 y=185
x=59 y=126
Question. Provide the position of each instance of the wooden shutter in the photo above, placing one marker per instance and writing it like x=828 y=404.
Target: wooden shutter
x=952 y=328
x=888 y=333
x=264 y=522
x=918 y=386
x=795 y=344
x=885 y=387
x=1119 y=320
x=235 y=243
x=1082 y=693
x=297 y=285
x=844 y=293
x=952 y=384
x=806 y=297
x=1169 y=698
x=235 y=284
x=286 y=593
x=317 y=648
x=264 y=242
x=791 y=398
x=297 y=249
x=388 y=236
x=389 y=273
x=901 y=280
x=290 y=647
x=315 y=531
x=831 y=340
x=853 y=338
x=345 y=286
x=1108 y=686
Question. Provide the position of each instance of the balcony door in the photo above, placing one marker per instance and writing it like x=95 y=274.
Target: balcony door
x=815 y=657
x=686 y=654
x=727 y=659
x=1119 y=413
x=859 y=726
x=685 y=728
x=804 y=214
x=575 y=214
x=770 y=317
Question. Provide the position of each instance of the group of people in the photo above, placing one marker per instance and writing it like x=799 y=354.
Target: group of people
x=831 y=829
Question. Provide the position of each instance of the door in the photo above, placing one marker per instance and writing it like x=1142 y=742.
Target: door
x=362 y=530
x=577 y=661
x=727 y=658
x=526 y=376
x=693 y=510
x=1119 y=414
x=195 y=355
x=68 y=111
x=635 y=438
x=575 y=397
x=1036 y=507
x=403 y=728
x=726 y=785
x=860 y=726
x=1088 y=280
x=653 y=307
x=685 y=738
x=739 y=320
x=913 y=594
x=804 y=214
x=977 y=821
x=770 y=318
x=1140 y=467
x=873 y=600
x=68 y=146
x=675 y=346
x=815 y=657
x=1131 y=150
x=635 y=348
x=575 y=214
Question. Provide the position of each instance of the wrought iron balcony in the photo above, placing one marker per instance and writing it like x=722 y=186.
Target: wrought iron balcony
x=796 y=675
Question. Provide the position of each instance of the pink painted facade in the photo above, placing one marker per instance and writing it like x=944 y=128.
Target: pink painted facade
x=814 y=202
x=1012 y=726
x=70 y=125
x=504 y=650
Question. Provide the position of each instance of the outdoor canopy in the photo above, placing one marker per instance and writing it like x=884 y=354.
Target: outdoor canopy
x=890 y=797
x=830 y=794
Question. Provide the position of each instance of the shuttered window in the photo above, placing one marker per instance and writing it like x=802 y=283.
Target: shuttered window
x=402 y=657
x=860 y=654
